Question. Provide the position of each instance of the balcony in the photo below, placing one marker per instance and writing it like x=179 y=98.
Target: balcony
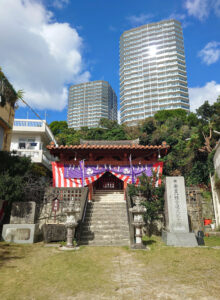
x=37 y=156
x=38 y=126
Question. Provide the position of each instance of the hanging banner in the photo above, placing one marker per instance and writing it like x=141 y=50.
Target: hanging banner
x=66 y=175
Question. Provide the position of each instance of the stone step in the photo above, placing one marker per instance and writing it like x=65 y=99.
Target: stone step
x=105 y=237
x=105 y=223
x=106 y=208
x=116 y=213
x=108 y=199
x=102 y=219
x=102 y=226
x=110 y=205
x=105 y=230
x=106 y=213
x=101 y=205
x=102 y=243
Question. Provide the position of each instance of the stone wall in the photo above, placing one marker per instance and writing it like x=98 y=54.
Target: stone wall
x=56 y=200
x=198 y=207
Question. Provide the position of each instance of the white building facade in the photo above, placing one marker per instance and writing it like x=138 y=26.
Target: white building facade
x=152 y=71
x=30 y=138
x=89 y=102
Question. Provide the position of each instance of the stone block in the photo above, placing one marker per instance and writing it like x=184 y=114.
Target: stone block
x=21 y=233
x=23 y=213
x=180 y=239
x=54 y=232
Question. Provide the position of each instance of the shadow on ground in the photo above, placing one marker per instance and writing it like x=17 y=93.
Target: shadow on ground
x=9 y=252
x=149 y=242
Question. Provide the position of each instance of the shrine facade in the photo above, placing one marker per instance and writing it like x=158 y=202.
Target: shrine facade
x=105 y=165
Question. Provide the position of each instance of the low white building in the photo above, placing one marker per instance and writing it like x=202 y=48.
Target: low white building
x=30 y=138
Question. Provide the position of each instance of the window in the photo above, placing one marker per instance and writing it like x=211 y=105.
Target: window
x=25 y=143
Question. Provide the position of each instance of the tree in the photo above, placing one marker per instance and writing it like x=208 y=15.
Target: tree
x=15 y=171
x=58 y=127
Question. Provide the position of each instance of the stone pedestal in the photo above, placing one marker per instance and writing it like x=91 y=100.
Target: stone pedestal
x=177 y=226
x=54 y=232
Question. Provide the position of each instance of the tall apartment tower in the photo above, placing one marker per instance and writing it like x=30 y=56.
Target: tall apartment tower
x=152 y=71
x=89 y=102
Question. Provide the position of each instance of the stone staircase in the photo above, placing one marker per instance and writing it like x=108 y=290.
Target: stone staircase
x=106 y=221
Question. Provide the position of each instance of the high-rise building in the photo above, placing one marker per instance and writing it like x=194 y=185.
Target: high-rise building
x=89 y=102
x=152 y=71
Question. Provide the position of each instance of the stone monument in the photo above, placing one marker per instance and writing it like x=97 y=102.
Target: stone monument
x=22 y=228
x=177 y=225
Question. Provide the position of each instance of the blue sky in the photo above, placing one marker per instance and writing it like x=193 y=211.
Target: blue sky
x=48 y=45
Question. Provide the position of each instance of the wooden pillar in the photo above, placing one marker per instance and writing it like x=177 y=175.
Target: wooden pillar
x=90 y=191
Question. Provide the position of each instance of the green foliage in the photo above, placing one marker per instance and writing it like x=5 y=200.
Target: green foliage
x=7 y=92
x=14 y=171
x=109 y=130
x=11 y=187
x=58 y=127
x=163 y=115
x=205 y=111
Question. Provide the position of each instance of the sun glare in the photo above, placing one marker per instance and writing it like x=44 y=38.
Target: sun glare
x=152 y=51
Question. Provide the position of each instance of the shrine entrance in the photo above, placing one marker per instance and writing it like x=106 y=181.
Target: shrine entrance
x=108 y=182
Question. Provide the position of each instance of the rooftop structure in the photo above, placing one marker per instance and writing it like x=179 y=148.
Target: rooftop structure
x=30 y=138
x=152 y=71
x=89 y=102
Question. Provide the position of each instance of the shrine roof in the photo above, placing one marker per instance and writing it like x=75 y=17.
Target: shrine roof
x=107 y=146
x=110 y=143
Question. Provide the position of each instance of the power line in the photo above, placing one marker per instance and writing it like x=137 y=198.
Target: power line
x=36 y=114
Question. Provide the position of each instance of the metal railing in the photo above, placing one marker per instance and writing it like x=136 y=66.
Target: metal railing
x=28 y=123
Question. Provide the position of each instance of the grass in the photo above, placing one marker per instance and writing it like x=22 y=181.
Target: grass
x=36 y=272
x=212 y=241
x=39 y=272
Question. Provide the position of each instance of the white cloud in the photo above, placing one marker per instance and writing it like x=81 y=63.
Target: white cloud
x=201 y=9
x=60 y=3
x=198 y=95
x=216 y=6
x=112 y=28
x=198 y=8
x=210 y=53
x=39 y=55
x=140 y=19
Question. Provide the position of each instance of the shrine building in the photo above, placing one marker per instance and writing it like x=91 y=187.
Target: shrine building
x=105 y=165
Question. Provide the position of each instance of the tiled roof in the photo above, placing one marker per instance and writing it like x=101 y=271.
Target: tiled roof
x=105 y=147
x=110 y=143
